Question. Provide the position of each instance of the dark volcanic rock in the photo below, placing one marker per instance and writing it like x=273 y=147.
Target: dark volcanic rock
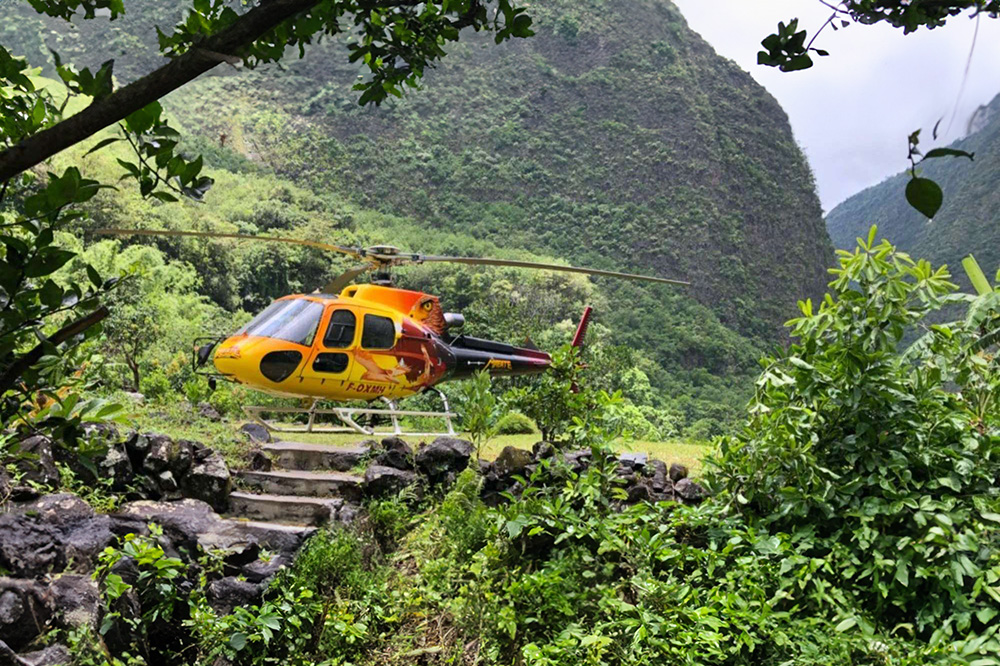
x=640 y=492
x=36 y=461
x=115 y=465
x=542 y=450
x=167 y=455
x=75 y=600
x=511 y=461
x=443 y=456
x=230 y=592
x=24 y=611
x=53 y=655
x=381 y=481
x=206 y=411
x=395 y=453
x=256 y=433
x=208 y=481
x=635 y=461
x=690 y=491
x=678 y=472
x=660 y=479
x=260 y=461
x=51 y=534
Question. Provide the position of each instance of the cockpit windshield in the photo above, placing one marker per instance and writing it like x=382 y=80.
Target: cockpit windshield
x=294 y=320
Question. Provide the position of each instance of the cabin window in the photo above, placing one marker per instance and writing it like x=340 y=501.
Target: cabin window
x=332 y=363
x=340 y=331
x=294 y=320
x=378 y=333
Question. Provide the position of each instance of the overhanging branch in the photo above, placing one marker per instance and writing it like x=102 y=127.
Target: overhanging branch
x=179 y=71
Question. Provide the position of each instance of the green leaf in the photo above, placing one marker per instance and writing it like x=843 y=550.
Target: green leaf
x=238 y=641
x=947 y=152
x=845 y=624
x=925 y=195
x=102 y=144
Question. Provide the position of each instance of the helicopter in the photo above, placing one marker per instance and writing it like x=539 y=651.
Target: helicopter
x=349 y=343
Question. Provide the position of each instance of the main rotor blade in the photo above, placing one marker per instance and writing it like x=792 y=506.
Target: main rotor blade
x=478 y=261
x=351 y=251
x=335 y=286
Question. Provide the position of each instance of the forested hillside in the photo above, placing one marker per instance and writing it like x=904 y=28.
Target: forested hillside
x=614 y=138
x=971 y=207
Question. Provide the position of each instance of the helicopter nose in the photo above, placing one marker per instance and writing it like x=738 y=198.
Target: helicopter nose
x=257 y=361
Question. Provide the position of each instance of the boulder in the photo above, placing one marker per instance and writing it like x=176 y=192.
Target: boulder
x=635 y=461
x=6 y=486
x=208 y=412
x=443 y=456
x=184 y=522
x=166 y=482
x=660 y=478
x=115 y=465
x=208 y=481
x=25 y=611
x=395 y=453
x=381 y=481
x=75 y=601
x=542 y=450
x=256 y=433
x=50 y=534
x=639 y=492
x=511 y=461
x=230 y=592
x=260 y=461
x=136 y=447
x=577 y=460
x=35 y=460
x=690 y=491
x=678 y=472
x=166 y=454
x=53 y=655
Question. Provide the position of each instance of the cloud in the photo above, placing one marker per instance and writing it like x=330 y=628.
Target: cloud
x=854 y=109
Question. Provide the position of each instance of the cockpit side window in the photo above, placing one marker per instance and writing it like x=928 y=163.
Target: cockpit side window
x=378 y=333
x=340 y=330
x=294 y=320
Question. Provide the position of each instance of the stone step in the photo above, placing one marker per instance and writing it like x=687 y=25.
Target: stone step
x=288 y=509
x=306 y=483
x=300 y=456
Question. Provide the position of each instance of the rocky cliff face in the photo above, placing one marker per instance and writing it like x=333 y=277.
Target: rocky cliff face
x=616 y=136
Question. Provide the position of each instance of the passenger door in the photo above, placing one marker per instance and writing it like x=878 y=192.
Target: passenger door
x=332 y=358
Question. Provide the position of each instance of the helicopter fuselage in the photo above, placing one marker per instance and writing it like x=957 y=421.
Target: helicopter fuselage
x=368 y=342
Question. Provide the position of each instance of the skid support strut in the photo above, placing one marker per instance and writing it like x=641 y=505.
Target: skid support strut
x=348 y=418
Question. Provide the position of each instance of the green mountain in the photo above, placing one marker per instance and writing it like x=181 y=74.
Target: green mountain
x=616 y=138
x=969 y=220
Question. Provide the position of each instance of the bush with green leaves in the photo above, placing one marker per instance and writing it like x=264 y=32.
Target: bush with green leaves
x=515 y=423
x=880 y=466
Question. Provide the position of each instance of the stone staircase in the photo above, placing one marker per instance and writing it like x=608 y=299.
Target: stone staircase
x=307 y=484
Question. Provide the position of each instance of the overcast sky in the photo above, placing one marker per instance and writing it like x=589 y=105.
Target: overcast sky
x=852 y=111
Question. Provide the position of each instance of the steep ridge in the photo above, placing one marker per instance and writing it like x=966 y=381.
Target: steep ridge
x=969 y=220
x=615 y=137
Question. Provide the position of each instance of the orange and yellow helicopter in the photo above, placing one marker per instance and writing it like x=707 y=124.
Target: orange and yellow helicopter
x=363 y=342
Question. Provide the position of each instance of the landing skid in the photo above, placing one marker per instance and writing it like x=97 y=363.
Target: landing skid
x=348 y=416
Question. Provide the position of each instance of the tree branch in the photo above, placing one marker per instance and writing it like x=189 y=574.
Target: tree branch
x=179 y=71
x=18 y=367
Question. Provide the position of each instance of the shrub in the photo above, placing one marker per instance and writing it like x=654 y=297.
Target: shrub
x=515 y=423
x=883 y=474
